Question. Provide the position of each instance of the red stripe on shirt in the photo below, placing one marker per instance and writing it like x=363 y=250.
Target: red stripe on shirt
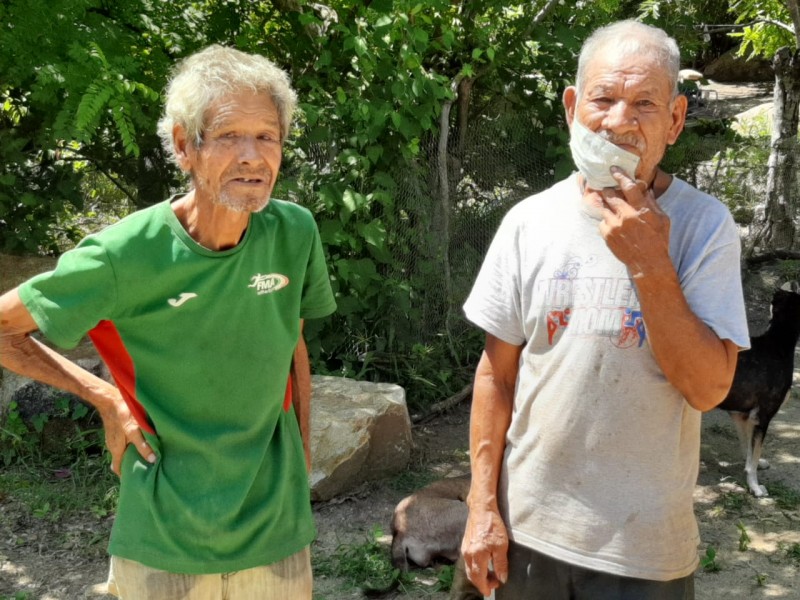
x=112 y=350
x=287 y=397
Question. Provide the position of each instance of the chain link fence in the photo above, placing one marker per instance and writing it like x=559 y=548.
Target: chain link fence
x=443 y=233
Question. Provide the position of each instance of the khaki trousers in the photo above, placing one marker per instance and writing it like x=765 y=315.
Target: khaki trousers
x=289 y=578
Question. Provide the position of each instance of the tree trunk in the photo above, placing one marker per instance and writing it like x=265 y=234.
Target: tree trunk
x=782 y=179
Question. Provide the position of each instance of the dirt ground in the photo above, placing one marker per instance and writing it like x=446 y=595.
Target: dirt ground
x=66 y=560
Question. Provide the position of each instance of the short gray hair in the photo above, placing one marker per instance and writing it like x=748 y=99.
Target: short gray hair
x=211 y=74
x=632 y=37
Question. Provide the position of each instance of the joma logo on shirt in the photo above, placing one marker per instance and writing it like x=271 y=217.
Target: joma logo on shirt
x=266 y=284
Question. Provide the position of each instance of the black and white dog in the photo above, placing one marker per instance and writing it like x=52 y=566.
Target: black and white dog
x=763 y=379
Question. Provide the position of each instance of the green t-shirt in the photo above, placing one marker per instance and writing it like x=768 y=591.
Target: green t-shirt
x=200 y=343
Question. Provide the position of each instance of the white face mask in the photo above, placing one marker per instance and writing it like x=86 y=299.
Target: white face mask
x=594 y=156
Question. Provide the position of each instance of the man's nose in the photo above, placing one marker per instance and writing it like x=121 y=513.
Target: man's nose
x=621 y=117
x=248 y=149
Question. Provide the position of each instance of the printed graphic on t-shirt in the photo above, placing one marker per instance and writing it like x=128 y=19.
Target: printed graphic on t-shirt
x=267 y=284
x=586 y=306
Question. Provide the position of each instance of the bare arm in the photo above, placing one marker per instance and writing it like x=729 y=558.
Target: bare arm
x=301 y=393
x=20 y=353
x=486 y=537
x=693 y=358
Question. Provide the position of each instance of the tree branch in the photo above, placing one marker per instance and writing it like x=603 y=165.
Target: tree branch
x=442 y=406
x=722 y=27
x=539 y=16
x=545 y=9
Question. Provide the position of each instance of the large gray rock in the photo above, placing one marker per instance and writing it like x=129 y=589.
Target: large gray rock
x=360 y=431
x=732 y=67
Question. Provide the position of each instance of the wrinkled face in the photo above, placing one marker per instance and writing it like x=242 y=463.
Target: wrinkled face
x=628 y=100
x=237 y=163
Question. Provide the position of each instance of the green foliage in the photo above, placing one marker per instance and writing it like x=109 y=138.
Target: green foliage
x=762 y=36
x=88 y=486
x=389 y=72
x=56 y=485
x=793 y=551
x=786 y=498
x=744 y=538
x=367 y=566
x=77 y=99
x=708 y=562
x=683 y=20
x=733 y=167
x=788 y=270
x=16 y=441
x=21 y=440
x=374 y=80
x=733 y=501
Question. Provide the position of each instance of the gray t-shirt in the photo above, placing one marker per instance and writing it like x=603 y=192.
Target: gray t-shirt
x=602 y=452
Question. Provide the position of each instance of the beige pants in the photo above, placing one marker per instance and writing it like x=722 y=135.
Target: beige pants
x=289 y=578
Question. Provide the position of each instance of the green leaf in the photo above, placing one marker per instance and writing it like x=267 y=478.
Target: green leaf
x=331 y=232
x=331 y=196
x=351 y=202
x=375 y=235
x=448 y=37
x=347 y=305
x=382 y=6
x=374 y=153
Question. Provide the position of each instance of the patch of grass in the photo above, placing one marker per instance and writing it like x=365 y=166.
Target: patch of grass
x=786 y=498
x=733 y=501
x=367 y=566
x=55 y=494
x=788 y=269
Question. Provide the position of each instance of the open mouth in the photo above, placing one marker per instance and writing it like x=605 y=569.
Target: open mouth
x=249 y=180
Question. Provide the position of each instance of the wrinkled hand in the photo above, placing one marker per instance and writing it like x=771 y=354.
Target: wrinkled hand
x=634 y=227
x=121 y=429
x=485 y=543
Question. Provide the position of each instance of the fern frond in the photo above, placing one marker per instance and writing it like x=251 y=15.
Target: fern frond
x=125 y=128
x=92 y=103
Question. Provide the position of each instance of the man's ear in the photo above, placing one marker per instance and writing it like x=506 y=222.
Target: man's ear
x=570 y=100
x=679 y=107
x=183 y=147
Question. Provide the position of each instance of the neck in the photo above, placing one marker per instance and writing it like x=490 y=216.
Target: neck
x=211 y=225
x=660 y=182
